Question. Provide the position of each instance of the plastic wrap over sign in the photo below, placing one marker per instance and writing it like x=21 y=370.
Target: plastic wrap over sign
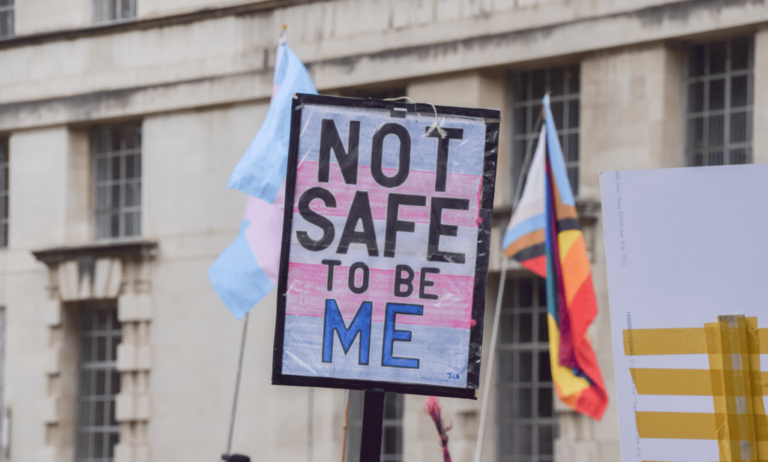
x=385 y=246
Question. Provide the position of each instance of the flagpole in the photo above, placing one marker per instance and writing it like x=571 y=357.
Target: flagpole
x=491 y=354
x=237 y=386
x=502 y=283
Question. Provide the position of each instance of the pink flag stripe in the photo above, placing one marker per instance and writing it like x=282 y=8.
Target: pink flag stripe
x=452 y=309
x=418 y=183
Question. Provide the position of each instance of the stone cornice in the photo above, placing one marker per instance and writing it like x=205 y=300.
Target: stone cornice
x=126 y=250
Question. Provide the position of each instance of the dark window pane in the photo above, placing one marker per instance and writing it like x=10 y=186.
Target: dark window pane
x=696 y=132
x=573 y=148
x=738 y=156
x=546 y=439
x=696 y=97
x=506 y=405
x=696 y=60
x=100 y=414
x=526 y=327
x=545 y=402
x=717 y=94
x=115 y=139
x=739 y=91
x=114 y=225
x=114 y=382
x=521 y=121
x=739 y=127
x=525 y=367
x=114 y=438
x=715 y=158
x=84 y=414
x=506 y=328
x=557 y=81
x=101 y=383
x=539 y=83
x=521 y=87
x=542 y=292
x=545 y=370
x=115 y=196
x=573 y=179
x=505 y=366
x=389 y=441
x=740 y=53
x=572 y=74
x=543 y=327
x=573 y=114
x=523 y=441
x=717 y=57
x=698 y=159
x=392 y=406
x=86 y=378
x=557 y=114
x=524 y=403
x=716 y=130
x=526 y=293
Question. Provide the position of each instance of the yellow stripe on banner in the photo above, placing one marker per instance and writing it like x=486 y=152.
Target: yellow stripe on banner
x=665 y=341
x=687 y=341
x=695 y=425
x=689 y=382
x=568 y=383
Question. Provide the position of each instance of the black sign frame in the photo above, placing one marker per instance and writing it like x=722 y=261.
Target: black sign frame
x=491 y=118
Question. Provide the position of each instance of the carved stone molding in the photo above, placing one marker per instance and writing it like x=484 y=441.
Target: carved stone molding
x=119 y=271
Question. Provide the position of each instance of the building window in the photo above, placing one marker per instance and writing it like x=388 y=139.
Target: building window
x=392 y=431
x=4 y=177
x=527 y=423
x=113 y=10
x=117 y=168
x=563 y=84
x=98 y=383
x=719 y=85
x=6 y=18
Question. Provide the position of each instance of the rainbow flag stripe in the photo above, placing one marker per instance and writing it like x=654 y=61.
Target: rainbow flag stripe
x=545 y=237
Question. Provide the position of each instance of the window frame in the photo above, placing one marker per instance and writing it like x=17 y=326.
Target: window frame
x=532 y=103
x=123 y=182
x=108 y=430
x=108 y=11
x=11 y=9
x=508 y=351
x=706 y=114
x=5 y=192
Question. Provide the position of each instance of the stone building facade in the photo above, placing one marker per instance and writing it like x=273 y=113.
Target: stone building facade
x=121 y=120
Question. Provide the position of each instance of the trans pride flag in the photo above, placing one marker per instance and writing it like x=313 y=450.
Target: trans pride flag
x=545 y=237
x=247 y=270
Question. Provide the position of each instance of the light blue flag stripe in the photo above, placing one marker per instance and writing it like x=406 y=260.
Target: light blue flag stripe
x=261 y=171
x=556 y=158
x=236 y=275
x=238 y=278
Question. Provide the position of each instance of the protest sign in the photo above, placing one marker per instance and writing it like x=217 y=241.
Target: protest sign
x=385 y=246
x=686 y=257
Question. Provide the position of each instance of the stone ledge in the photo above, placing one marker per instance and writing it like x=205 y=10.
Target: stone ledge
x=127 y=250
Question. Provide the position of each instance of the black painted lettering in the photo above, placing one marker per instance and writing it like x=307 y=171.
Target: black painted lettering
x=377 y=155
x=330 y=264
x=437 y=229
x=424 y=283
x=366 y=276
x=359 y=211
x=401 y=281
x=316 y=219
x=331 y=141
x=394 y=201
x=441 y=172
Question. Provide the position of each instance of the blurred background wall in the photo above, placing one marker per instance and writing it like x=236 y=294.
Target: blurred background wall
x=121 y=120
